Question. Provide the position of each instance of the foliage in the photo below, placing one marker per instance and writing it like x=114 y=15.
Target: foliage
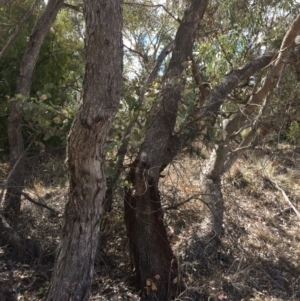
x=232 y=33
x=57 y=79
x=293 y=133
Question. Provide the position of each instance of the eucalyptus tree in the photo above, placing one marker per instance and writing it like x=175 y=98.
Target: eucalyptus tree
x=243 y=97
x=237 y=43
x=56 y=77
x=151 y=252
x=102 y=86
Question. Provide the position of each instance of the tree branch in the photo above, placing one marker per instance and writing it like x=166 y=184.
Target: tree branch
x=155 y=6
x=30 y=199
x=175 y=206
x=19 y=26
x=286 y=197
x=77 y=8
x=273 y=78
x=143 y=56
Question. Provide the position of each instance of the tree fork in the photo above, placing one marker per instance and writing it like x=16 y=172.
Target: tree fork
x=151 y=252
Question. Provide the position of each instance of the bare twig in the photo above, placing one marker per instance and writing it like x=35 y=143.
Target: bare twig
x=224 y=53
x=30 y=199
x=77 y=8
x=155 y=6
x=143 y=56
x=285 y=197
x=182 y=203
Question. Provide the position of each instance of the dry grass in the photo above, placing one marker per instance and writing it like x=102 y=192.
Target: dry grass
x=258 y=259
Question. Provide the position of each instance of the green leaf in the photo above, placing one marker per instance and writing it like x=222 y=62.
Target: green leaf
x=47 y=137
x=57 y=119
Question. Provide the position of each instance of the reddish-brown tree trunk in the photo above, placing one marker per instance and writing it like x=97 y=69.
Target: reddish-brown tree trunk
x=73 y=271
x=151 y=253
x=15 y=182
x=152 y=256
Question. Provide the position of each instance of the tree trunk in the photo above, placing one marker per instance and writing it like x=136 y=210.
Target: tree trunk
x=102 y=87
x=222 y=158
x=15 y=182
x=206 y=237
x=153 y=259
x=151 y=253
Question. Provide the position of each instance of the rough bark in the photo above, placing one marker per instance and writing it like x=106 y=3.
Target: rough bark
x=151 y=252
x=102 y=86
x=15 y=183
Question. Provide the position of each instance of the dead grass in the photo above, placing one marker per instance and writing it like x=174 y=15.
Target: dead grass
x=258 y=259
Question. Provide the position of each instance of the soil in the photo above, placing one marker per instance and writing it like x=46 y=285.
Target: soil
x=259 y=254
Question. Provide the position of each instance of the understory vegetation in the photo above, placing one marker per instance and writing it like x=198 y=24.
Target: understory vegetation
x=150 y=150
x=258 y=258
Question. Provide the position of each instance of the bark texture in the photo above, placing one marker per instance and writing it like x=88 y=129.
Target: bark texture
x=152 y=255
x=222 y=158
x=15 y=182
x=74 y=265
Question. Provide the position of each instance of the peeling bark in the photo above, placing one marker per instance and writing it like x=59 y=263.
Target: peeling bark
x=74 y=267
